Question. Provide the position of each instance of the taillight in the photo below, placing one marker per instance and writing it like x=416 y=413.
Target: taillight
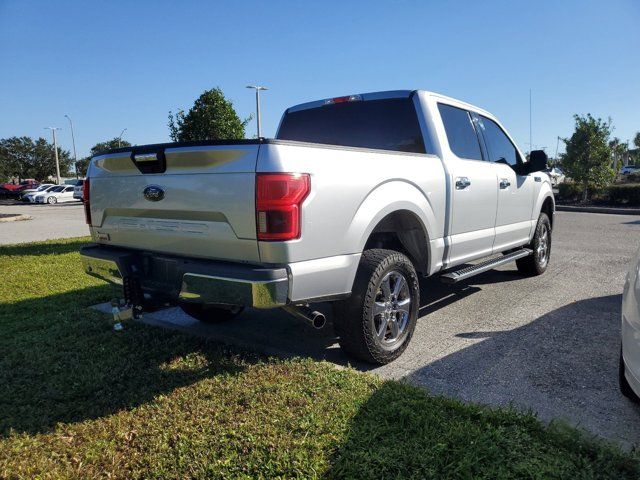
x=279 y=198
x=85 y=199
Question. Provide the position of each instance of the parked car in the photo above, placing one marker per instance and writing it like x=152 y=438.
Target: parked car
x=11 y=190
x=629 y=371
x=31 y=197
x=43 y=187
x=556 y=175
x=23 y=185
x=626 y=170
x=354 y=198
x=78 y=190
x=61 y=193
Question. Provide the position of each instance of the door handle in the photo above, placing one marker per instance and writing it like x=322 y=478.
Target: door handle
x=462 y=183
x=504 y=183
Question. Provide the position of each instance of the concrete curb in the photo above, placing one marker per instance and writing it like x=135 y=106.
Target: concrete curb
x=609 y=210
x=15 y=218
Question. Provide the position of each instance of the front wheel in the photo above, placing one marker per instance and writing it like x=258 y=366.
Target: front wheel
x=52 y=200
x=211 y=313
x=537 y=263
x=377 y=321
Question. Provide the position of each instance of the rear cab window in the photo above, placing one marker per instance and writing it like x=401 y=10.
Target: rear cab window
x=461 y=133
x=385 y=124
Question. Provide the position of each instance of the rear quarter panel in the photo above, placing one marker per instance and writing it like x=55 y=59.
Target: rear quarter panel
x=351 y=191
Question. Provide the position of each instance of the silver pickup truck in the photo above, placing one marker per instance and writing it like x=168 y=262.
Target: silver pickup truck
x=354 y=198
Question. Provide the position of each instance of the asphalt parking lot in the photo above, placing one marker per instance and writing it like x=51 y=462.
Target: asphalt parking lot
x=63 y=220
x=549 y=343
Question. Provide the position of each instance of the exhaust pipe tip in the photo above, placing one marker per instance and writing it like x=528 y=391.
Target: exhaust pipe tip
x=316 y=319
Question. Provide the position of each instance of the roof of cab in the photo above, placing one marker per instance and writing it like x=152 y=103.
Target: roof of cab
x=389 y=94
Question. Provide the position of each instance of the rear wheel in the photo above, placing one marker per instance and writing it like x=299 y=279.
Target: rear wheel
x=208 y=313
x=537 y=263
x=377 y=321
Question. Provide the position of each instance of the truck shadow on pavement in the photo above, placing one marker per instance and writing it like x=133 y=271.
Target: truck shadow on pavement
x=274 y=332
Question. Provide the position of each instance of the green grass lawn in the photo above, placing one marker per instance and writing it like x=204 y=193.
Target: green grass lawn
x=78 y=399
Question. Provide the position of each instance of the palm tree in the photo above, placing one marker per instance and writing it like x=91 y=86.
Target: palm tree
x=618 y=150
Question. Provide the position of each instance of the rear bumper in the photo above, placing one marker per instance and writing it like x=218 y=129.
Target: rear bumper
x=190 y=280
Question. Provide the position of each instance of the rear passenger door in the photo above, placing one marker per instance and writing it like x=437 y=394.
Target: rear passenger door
x=473 y=181
x=515 y=191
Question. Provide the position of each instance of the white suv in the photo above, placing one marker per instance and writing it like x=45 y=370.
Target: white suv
x=78 y=190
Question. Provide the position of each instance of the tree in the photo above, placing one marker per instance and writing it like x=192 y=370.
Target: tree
x=23 y=157
x=636 y=140
x=212 y=117
x=83 y=164
x=588 y=154
x=108 y=145
x=618 y=151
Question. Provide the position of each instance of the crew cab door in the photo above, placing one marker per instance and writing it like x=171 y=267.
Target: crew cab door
x=473 y=187
x=515 y=191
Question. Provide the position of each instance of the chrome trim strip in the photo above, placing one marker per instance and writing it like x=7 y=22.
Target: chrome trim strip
x=199 y=288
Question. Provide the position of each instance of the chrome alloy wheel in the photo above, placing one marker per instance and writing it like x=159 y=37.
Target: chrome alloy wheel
x=391 y=308
x=542 y=250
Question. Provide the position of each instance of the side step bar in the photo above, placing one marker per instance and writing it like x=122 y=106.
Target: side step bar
x=467 y=272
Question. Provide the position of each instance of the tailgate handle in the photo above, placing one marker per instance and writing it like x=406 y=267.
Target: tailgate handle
x=146 y=157
x=149 y=159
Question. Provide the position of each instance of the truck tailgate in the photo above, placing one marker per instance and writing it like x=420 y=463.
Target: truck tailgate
x=197 y=201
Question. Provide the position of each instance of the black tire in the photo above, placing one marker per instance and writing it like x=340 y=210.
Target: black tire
x=537 y=263
x=625 y=388
x=355 y=321
x=211 y=313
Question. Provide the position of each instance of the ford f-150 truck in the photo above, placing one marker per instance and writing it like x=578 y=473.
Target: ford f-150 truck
x=354 y=199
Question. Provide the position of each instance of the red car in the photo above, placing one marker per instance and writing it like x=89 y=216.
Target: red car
x=23 y=185
x=12 y=190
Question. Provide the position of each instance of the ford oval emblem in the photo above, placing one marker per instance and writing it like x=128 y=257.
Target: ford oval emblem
x=153 y=193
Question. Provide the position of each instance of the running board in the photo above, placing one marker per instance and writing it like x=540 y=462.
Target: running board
x=467 y=272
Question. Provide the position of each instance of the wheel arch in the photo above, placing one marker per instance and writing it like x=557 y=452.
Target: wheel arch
x=402 y=231
x=396 y=215
x=549 y=207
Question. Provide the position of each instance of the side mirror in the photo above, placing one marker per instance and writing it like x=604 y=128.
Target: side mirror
x=537 y=161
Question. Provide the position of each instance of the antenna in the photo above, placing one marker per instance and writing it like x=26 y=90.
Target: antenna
x=530 y=129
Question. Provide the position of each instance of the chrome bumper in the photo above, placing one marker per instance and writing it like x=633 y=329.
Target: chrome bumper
x=209 y=282
x=232 y=291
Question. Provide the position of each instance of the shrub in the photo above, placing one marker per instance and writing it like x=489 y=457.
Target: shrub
x=572 y=192
x=569 y=191
x=632 y=178
x=625 y=194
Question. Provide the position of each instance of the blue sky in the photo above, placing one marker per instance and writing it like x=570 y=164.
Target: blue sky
x=114 y=65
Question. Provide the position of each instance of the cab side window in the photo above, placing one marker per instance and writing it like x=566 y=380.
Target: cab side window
x=461 y=134
x=500 y=148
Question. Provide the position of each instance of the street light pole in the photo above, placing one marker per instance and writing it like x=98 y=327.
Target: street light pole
x=120 y=137
x=73 y=140
x=257 y=89
x=55 y=151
